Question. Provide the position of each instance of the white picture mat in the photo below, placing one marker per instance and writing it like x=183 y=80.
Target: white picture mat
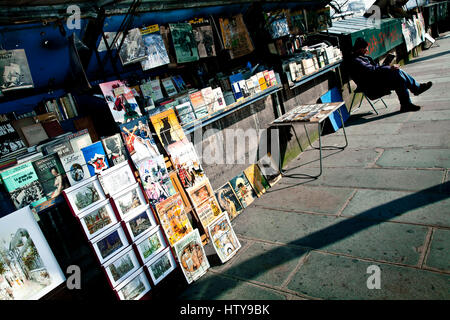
x=119 y=197
x=107 y=205
x=138 y=274
x=128 y=252
x=24 y=219
x=165 y=252
x=157 y=232
x=117 y=178
x=72 y=192
x=102 y=236
x=150 y=216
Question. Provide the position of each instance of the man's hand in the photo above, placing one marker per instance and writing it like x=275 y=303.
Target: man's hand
x=395 y=67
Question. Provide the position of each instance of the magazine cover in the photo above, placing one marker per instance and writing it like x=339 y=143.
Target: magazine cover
x=235 y=36
x=115 y=150
x=191 y=256
x=243 y=190
x=138 y=139
x=184 y=42
x=22 y=183
x=203 y=34
x=95 y=157
x=167 y=127
x=256 y=179
x=29 y=268
x=223 y=238
x=186 y=162
x=228 y=201
x=10 y=140
x=155 y=50
x=14 y=70
x=51 y=175
x=121 y=102
x=133 y=48
x=155 y=179
x=174 y=220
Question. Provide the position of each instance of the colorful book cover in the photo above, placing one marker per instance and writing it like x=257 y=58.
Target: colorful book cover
x=167 y=127
x=22 y=183
x=228 y=201
x=234 y=81
x=155 y=179
x=204 y=37
x=179 y=83
x=223 y=238
x=185 y=113
x=51 y=175
x=184 y=42
x=95 y=157
x=197 y=100
x=174 y=220
x=219 y=101
x=235 y=36
x=243 y=86
x=146 y=89
x=115 y=150
x=156 y=90
x=187 y=163
x=243 y=190
x=138 y=139
x=256 y=179
x=169 y=87
x=121 y=102
x=277 y=25
x=133 y=48
x=191 y=256
x=155 y=50
x=209 y=98
x=14 y=70
x=208 y=211
x=75 y=167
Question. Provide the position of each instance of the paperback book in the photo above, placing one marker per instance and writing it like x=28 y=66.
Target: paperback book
x=95 y=157
x=115 y=150
x=75 y=167
x=155 y=50
x=51 y=175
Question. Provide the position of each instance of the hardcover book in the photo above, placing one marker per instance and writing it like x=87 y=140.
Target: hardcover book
x=75 y=167
x=79 y=140
x=184 y=42
x=22 y=183
x=133 y=48
x=155 y=50
x=121 y=102
x=95 y=157
x=62 y=148
x=51 y=175
x=138 y=139
x=14 y=70
x=34 y=134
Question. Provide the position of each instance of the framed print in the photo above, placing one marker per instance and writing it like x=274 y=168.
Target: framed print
x=32 y=270
x=269 y=169
x=117 y=178
x=228 y=201
x=84 y=195
x=223 y=238
x=191 y=256
x=174 y=220
x=256 y=179
x=119 y=268
x=98 y=219
x=208 y=211
x=130 y=201
x=109 y=243
x=161 y=265
x=134 y=287
x=243 y=190
x=140 y=222
x=200 y=193
x=151 y=244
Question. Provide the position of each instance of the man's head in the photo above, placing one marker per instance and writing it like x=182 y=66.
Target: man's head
x=361 y=46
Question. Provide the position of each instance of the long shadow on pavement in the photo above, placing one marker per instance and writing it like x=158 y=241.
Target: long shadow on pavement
x=213 y=286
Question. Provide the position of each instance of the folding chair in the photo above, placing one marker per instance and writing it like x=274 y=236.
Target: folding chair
x=358 y=90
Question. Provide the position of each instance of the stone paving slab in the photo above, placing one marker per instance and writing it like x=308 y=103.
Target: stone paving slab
x=266 y=263
x=333 y=158
x=435 y=127
x=335 y=277
x=393 y=179
x=415 y=158
x=213 y=286
x=364 y=129
x=427 y=104
x=438 y=256
x=421 y=208
x=356 y=237
x=303 y=198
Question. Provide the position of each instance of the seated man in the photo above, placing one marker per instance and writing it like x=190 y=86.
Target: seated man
x=376 y=81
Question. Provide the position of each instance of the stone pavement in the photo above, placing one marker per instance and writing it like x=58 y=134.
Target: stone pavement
x=384 y=201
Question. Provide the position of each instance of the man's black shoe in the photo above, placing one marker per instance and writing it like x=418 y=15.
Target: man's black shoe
x=409 y=107
x=423 y=87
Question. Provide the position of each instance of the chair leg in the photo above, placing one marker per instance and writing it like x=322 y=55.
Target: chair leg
x=371 y=104
x=351 y=104
x=384 y=103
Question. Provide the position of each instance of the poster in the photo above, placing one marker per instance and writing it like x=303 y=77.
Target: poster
x=228 y=201
x=223 y=238
x=256 y=179
x=243 y=190
x=167 y=127
x=191 y=256
x=28 y=268
x=186 y=162
x=235 y=36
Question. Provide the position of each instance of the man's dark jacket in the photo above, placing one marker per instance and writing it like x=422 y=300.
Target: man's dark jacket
x=374 y=80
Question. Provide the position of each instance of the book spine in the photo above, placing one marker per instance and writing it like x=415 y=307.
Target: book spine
x=73 y=105
x=68 y=107
x=63 y=109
